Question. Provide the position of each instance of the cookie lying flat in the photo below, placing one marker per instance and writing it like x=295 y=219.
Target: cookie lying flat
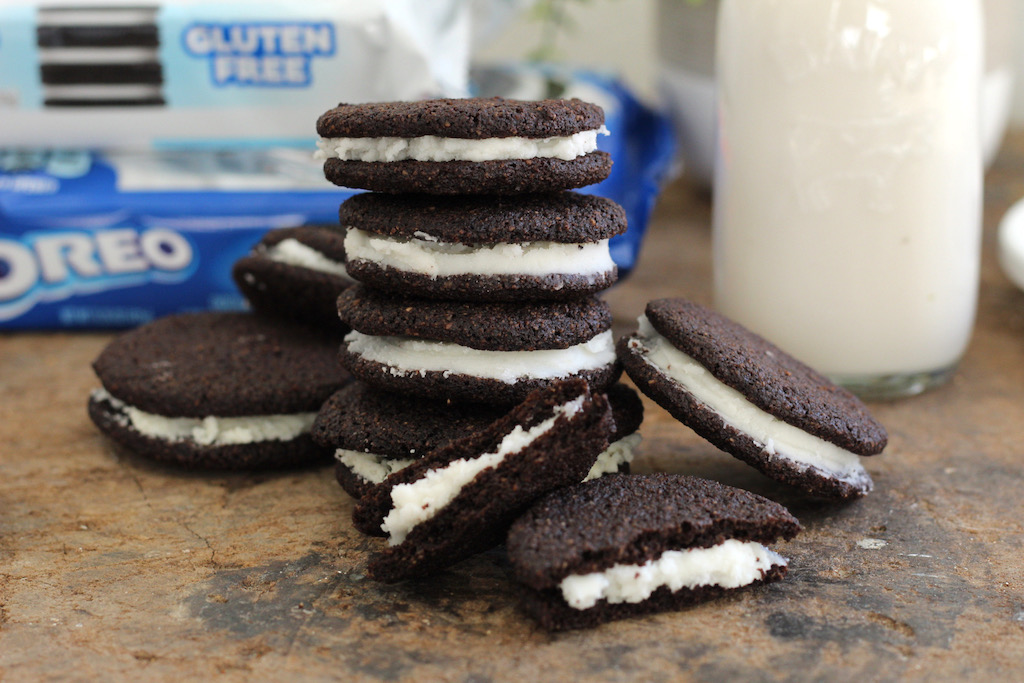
x=464 y=146
x=545 y=247
x=749 y=398
x=296 y=273
x=636 y=544
x=374 y=434
x=495 y=353
x=460 y=499
x=217 y=390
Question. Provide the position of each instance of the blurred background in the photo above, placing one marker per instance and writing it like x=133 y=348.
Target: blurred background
x=628 y=32
x=180 y=116
x=664 y=51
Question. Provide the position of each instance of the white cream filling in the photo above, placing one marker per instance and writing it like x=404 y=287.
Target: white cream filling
x=730 y=564
x=436 y=148
x=775 y=437
x=427 y=255
x=211 y=431
x=98 y=55
x=375 y=468
x=126 y=91
x=406 y=355
x=370 y=466
x=294 y=253
x=95 y=16
x=421 y=500
x=618 y=452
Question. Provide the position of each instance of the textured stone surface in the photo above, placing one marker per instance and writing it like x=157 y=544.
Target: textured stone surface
x=114 y=568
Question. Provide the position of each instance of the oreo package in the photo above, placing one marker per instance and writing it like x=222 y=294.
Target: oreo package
x=141 y=73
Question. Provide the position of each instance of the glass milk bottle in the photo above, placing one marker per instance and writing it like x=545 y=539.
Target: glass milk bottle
x=848 y=188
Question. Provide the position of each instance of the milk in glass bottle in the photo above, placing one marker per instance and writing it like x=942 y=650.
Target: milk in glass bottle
x=847 y=206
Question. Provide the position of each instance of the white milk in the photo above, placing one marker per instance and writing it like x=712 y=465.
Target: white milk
x=848 y=184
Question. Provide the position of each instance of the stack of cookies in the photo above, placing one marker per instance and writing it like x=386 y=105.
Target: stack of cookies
x=478 y=274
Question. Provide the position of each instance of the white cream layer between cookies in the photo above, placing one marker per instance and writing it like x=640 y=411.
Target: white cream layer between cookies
x=292 y=252
x=774 y=436
x=427 y=255
x=406 y=356
x=90 y=91
x=730 y=564
x=373 y=468
x=98 y=55
x=421 y=500
x=436 y=148
x=210 y=431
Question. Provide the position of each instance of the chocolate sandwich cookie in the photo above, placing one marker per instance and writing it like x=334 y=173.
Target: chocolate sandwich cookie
x=546 y=247
x=460 y=499
x=296 y=273
x=374 y=434
x=494 y=353
x=626 y=545
x=464 y=146
x=752 y=400
x=217 y=390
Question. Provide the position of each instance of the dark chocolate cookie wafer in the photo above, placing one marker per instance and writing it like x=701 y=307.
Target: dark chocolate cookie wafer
x=626 y=545
x=465 y=118
x=543 y=247
x=460 y=499
x=495 y=353
x=217 y=390
x=752 y=400
x=464 y=146
x=374 y=434
x=296 y=273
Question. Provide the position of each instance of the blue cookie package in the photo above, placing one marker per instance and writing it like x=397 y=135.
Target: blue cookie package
x=116 y=239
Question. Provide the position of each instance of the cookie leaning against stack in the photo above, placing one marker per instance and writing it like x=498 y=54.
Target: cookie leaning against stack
x=374 y=434
x=753 y=400
x=478 y=275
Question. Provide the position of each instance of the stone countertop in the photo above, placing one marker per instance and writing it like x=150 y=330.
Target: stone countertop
x=113 y=568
